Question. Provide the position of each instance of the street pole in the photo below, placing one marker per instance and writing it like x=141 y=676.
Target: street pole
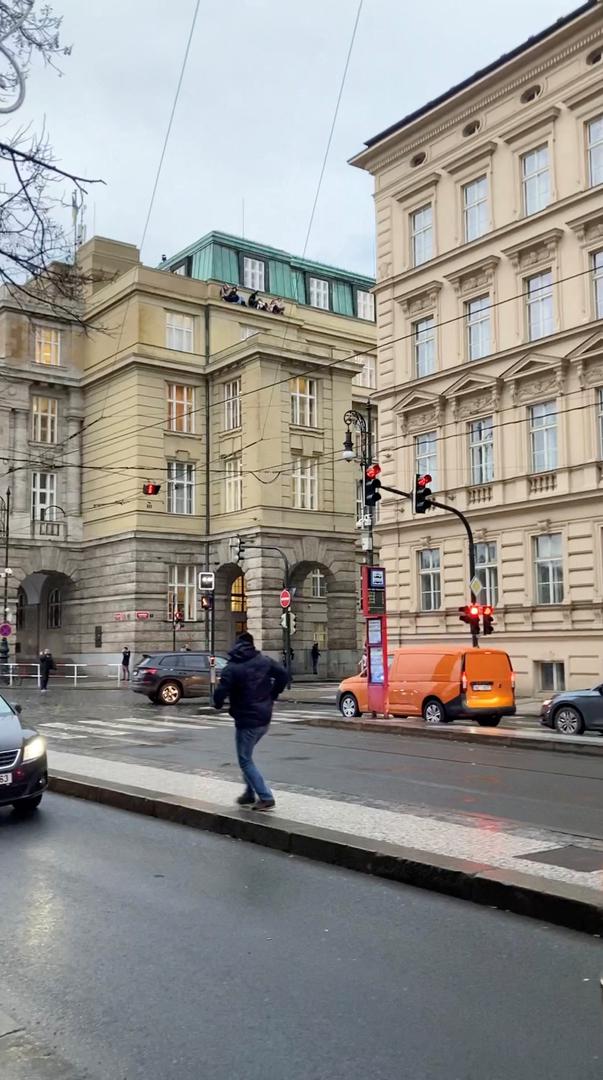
x=352 y=416
x=458 y=514
x=174 y=602
x=4 y=646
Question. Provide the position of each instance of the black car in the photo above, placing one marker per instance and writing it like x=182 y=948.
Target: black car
x=166 y=677
x=23 y=765
x=574 y=711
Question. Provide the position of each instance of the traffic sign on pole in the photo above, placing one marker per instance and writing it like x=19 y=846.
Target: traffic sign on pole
x=6 y=630
x=475 y=585
x=285 y=598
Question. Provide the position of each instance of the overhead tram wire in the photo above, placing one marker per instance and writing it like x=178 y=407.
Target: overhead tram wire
x=107 y=440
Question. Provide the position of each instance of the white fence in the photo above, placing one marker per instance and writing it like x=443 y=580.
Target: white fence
x=74 y=674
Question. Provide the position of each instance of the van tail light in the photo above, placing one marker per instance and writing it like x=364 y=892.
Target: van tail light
x=464 y=682
x=512 y=679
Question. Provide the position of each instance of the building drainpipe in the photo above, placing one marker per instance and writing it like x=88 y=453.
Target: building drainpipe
x=210 y=616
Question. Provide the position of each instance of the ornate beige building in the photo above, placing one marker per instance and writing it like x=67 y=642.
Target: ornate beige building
x=236 y=412
x=489 y=207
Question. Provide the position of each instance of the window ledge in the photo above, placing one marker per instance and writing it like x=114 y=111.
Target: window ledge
x=184 y=434
x=301 y=429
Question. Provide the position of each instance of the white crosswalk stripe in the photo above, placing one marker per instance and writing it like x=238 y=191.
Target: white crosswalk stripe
x=130 y=730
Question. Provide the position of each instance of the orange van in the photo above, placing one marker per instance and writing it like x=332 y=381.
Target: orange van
x=441 y=683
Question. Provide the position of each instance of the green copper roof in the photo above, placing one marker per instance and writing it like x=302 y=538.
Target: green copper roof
x=219 y=257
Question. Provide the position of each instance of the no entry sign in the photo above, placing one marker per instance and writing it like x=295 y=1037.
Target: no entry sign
x=285 y=598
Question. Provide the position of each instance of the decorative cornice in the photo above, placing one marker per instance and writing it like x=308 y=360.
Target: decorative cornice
x=583 y=95
x=534 y=250
x=532 y=123
x=588 y=227
x=468 y=277
x=416 y=184
x=469 y=156
x=423 y=297
x=391 y=156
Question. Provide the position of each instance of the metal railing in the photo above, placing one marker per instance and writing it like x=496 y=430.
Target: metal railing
x=75 y=674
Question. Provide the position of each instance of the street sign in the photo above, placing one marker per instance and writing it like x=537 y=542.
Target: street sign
x=475 y=585
x=285 y=598
x=206 y=581
x=143 y=615
x=6 y=630
x=120 y=616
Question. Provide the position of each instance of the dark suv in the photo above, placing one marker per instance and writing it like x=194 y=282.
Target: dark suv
x=168 y=676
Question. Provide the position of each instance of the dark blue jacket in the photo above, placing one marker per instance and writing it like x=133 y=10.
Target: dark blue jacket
x=251 y=682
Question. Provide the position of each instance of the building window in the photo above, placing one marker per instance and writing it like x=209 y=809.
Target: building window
x=304 y=484
x=535 y=178
x=426 y=455
x=424 y=339
x=253 y=274
x=543 y=437
x=481 y=450
x=486 y=568
x=539 y=300
x=43 y=495
x=319 y=293
x=551 y=676
x=421 y=235
x=597 y=261
x=318 y=585
x=238 y=595
x=475 y=208
x=234 y=484
x=365 y=305
x=478 y=327
x=44 y=419
x=595 y=151
x=180 y=488
x=48 y=346
x=429 y=579
x=368 y=376
x=303 y=401
x=54 y=610
x=549 y=568
x=232 y=405
x=179 y=331
x=182 y=592
x=600 y=400
x=180 y=403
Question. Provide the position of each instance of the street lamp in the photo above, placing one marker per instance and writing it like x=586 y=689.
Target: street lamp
x=354 y=418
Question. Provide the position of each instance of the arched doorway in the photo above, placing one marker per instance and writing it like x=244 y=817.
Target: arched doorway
x=313 y=584
x=44 y=615
x=230 y=606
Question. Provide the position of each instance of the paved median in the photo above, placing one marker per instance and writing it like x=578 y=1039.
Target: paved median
x=553 y=876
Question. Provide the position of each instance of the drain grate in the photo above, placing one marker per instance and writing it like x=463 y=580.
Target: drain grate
x=570 y=857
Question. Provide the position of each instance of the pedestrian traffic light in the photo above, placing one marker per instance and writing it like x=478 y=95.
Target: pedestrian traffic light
x=207 y=602
x=178 y=618
x=372 y=484
x=470 y=615
x=151 y=489
x=292 y=622
x=241 y=549
x=422 y=493
x=488 y=619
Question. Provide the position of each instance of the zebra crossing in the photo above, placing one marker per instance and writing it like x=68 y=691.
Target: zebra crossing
x=143 y=731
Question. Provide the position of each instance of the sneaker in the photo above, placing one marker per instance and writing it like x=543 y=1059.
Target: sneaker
x=246 y=800
x=264 y=804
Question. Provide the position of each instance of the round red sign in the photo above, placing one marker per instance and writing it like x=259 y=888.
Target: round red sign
x=285 y=598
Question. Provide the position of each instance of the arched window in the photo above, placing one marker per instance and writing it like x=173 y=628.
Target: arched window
x=238 y=596
x=55 y=605
x=20 y=611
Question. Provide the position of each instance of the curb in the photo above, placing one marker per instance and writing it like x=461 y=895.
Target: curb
x=553 y=902
x=515 y=739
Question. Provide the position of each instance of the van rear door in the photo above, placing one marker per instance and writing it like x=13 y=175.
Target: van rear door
x=488 y=675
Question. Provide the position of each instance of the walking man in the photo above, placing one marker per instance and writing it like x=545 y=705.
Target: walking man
x=315 y=653
x=125 y=664
x=47 y=665
x=252 y=683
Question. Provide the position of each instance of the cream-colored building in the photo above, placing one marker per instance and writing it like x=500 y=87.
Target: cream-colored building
x=236 y=412
x=489 y=210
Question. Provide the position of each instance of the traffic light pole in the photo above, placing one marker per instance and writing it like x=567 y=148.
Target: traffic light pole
x=458 y=514
x=286 y=585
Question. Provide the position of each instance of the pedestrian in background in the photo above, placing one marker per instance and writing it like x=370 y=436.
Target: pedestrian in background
x=315 y=654
x=125 y=664
x=252 y=683
x=47 y=665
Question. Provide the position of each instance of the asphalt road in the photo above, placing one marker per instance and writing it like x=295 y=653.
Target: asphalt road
x=531 y=787
x=136 y=948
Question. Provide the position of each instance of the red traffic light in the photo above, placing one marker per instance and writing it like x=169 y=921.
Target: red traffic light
x=423 y=481
x=474 y=609
x=373 y=471
x=487 y=610
x=151 y=489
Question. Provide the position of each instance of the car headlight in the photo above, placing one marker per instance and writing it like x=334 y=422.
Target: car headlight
x=35 y=748
x=545 y=704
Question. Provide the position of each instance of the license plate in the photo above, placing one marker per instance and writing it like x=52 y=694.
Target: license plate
x=6 y=777
x=481 y=686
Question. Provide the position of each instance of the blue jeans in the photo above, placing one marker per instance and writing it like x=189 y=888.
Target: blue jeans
x=246 y=740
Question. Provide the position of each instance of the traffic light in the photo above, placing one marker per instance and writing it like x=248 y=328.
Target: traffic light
x=178 y=618
x=422 y=493
x=488 y=619
x=292 y=622
x=151 y=489
x=207 y=602
x=470 y=615
x=240 y=549
x=372 y=484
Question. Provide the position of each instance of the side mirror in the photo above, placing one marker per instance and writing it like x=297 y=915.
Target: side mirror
x=16 y=707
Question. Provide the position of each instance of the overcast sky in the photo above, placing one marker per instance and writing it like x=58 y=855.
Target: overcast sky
x=255 y=108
